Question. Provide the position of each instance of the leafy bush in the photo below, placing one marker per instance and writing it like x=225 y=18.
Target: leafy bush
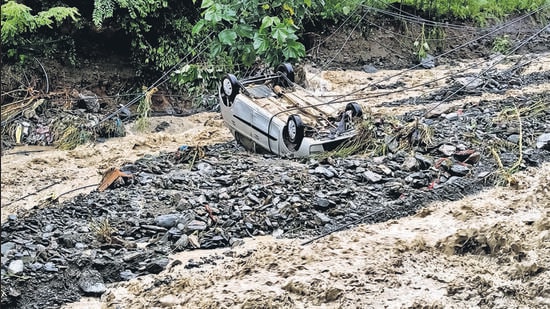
x=18 y=22
x=251 y=29
x=474 y=10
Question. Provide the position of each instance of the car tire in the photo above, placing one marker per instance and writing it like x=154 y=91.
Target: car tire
x=355 y=108
x=294 y=131
x=229 y=87
x=285 y=69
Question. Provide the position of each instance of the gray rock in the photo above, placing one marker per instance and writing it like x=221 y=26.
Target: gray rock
x=91 y=282
x=253 y=198
x=182 y=242
x=127 y=275
x=424 y=162
x=459 y=170
x=157 y=265
x=196 y=225
x=394 y=187
x=51 y=267
x=323 y=203
x=384 y=169
x=369 y=68
x=392 y=143
x=514 y=138
x=324 y=171
x=417 y=180
x=470 y=82
x=168 y=220
x=16 y=267
x=543 y=141
x=276 y=233
x=6 y=247
x=410 y=164
x=451 y=116
x=372 y=176
x=205 y=168
x=428 y=62
x=447 y=150
x=36 y=266
x=324 y=219
x=133 y=256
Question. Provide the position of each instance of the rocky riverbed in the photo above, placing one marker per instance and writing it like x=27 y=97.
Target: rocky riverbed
x=217 y=195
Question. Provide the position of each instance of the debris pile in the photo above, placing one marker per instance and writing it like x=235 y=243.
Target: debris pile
x=216 y=196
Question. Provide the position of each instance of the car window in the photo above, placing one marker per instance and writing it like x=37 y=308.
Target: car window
x=260 y=91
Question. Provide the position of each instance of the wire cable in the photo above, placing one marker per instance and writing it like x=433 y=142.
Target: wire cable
x=487 y=69
x=159 y=81
x=435 y=58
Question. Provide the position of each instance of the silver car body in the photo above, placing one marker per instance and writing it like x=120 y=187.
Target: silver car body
x=259 y=112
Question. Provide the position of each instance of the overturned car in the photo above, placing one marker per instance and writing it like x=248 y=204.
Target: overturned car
x=270 y=112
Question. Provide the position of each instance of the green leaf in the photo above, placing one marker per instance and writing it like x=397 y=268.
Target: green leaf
x=207 y=3
x=227 y=36
x=281 y=33
x=346 y=9
x=268 y=21
x=248 y=56
x=244 y=31
x=198 y=27
x=215 y=49
x=228 y=13
x=260 y=44
x=213 y=14
x=294 y=50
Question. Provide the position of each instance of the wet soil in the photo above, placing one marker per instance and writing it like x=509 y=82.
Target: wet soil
x=486 y=250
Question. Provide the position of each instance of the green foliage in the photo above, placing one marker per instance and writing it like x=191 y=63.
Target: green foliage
x=421 y=45
x=197 y=79
x=143 y=110
x=18 y=22
x=336 y=9
x=103 y=9
x=501 y=44
x=251 y=29
x=136 y=9
x=480 y=11
x=160 y=31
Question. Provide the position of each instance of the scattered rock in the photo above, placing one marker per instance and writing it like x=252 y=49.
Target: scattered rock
x=459 y=170
x=369 y=68
x=157 y=265
x=428 y=62
x=543 y=141
x=447 y=150
x=91 y=282
x=372 y=177
x=7 y=247
x=16 y=267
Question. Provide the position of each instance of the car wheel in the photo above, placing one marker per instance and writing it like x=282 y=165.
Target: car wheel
x=286 y=69
x=230 y=86
x=355 y=108
x=294 y=130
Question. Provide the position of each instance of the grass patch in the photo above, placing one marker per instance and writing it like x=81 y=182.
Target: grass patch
x=73 y=136
x=143 y=110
